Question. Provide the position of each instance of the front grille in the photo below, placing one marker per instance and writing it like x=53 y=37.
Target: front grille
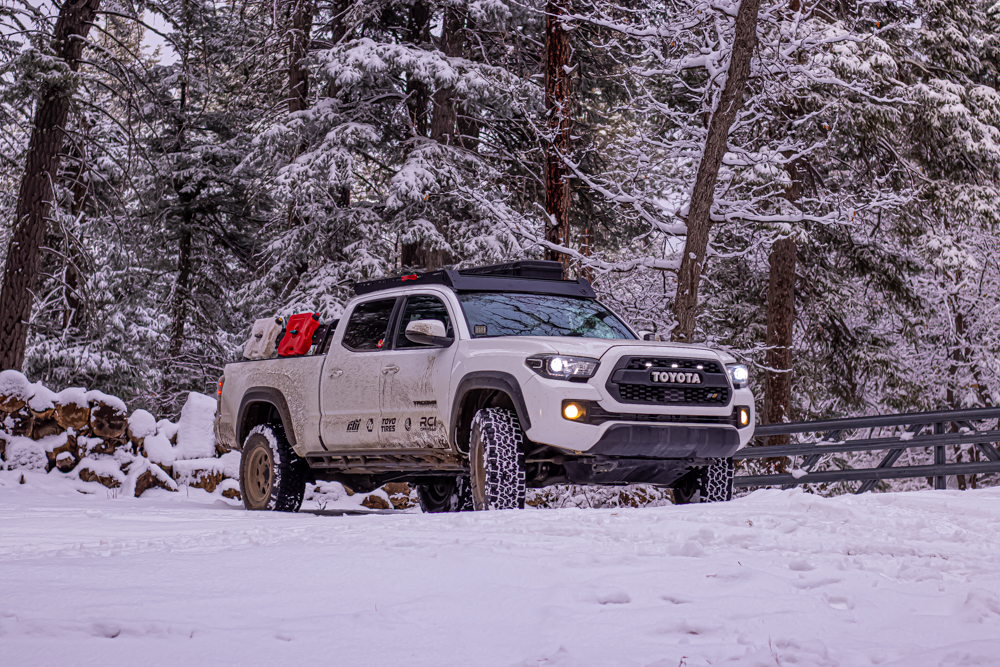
x=598 y=415
x=642 y=363
x=641 y=393
x=631 y=382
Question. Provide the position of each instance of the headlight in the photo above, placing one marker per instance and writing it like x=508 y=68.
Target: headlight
x=739 y=374
x=561 y=367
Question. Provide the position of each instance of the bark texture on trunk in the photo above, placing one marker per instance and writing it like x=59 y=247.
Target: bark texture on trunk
x=781 y=315
x=179 y=304
x=558 y=99
x=699 y=222
x=35 y=196
x=780 y=321
x=298 y=76
x=298 y=49
x=444 y=129
x=445 y=118
x=417 y=93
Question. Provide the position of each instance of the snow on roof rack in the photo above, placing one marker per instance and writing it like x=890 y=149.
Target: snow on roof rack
x=528 y=276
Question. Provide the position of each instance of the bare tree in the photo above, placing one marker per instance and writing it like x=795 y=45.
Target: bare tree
x=35 y=196
x=557 y=106
x=699 y=221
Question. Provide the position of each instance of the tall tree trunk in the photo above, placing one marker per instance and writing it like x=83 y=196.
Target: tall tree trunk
x=35 y=197
x=444 y=130
x=557 y=105
x=298 y=49
x=780 y=321
x=444 y=120
x=182 y=288
x=298 y=81
x=699 y=221
x=781 y=315
x=418 y=96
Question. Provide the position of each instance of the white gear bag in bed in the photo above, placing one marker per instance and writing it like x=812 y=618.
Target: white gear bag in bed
x=263 y=338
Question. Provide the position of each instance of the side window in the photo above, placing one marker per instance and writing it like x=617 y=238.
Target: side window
x=367 y=327
x=421 y=308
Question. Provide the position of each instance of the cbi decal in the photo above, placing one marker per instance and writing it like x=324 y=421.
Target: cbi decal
x=389 y=425
x=428 y=423
x=353 y=426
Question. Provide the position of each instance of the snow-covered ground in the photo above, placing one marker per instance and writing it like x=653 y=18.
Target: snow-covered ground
x=776 y=578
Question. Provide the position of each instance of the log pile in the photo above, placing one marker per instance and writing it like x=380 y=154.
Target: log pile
x=88 y=435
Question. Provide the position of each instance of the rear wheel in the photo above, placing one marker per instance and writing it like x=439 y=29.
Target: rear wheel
x=272 y=477
x=708 y=484
x=496 y=460
x=450 y=494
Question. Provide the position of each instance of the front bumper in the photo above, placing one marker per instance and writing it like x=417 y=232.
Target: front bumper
x=669 y=441
x=633 y=430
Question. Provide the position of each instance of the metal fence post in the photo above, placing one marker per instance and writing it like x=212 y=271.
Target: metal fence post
x=940 y=481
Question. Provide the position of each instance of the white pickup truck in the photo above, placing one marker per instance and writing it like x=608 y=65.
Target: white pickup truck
x=476 y=383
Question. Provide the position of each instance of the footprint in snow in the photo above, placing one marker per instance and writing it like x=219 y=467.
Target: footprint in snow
x=615 y=597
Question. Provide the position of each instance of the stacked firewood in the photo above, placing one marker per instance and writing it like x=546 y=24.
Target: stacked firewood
x=88 y=435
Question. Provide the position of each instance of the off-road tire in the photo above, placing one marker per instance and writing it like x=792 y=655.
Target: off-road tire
x=496 y=460
x=272 y=477
x=450 y=494
x=718 y=481
x=709 y=484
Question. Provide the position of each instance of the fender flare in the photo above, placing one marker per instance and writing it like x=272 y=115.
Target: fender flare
x=270 y=396
x=497 y=380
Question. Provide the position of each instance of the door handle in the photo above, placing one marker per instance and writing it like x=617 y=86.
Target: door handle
x=390 y=369
x=336 y=372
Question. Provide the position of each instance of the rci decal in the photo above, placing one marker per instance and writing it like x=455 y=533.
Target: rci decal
x=371 y=425
x=354 y=425
x=407 y=424
x=428 y=423
x=389 y=425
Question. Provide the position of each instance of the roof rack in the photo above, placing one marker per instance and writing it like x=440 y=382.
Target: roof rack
x=529 y=277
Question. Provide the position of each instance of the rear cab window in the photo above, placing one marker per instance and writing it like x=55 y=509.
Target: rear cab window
x=369 y=326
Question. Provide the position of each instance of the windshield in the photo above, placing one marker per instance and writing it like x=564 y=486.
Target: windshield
x=508 y=314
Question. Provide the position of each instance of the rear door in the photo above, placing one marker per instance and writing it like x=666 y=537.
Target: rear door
x=352 y=378
x=416 y=379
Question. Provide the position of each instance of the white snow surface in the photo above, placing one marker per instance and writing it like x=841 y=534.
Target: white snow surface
x=142 y=424
x=196 y=427
x=113 y=402
x=42 y=398
x=775 y=578
x=14 y=383
x=75 y=395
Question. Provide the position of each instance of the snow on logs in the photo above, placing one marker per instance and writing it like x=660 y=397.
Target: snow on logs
x=89 y=435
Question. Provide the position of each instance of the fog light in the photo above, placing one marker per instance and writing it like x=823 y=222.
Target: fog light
x=742 y=416
x=574 y=411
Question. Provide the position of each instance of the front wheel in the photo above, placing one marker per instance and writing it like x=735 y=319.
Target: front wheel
x=272 y=477
x=496 y=460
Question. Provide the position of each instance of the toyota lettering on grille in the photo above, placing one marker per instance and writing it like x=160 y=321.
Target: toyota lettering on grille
x=672 y=377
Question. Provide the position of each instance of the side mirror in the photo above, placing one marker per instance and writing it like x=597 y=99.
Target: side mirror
x=652 y=336
x=428 y=332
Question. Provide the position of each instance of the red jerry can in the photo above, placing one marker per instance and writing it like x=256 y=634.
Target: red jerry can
x=298 y=335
